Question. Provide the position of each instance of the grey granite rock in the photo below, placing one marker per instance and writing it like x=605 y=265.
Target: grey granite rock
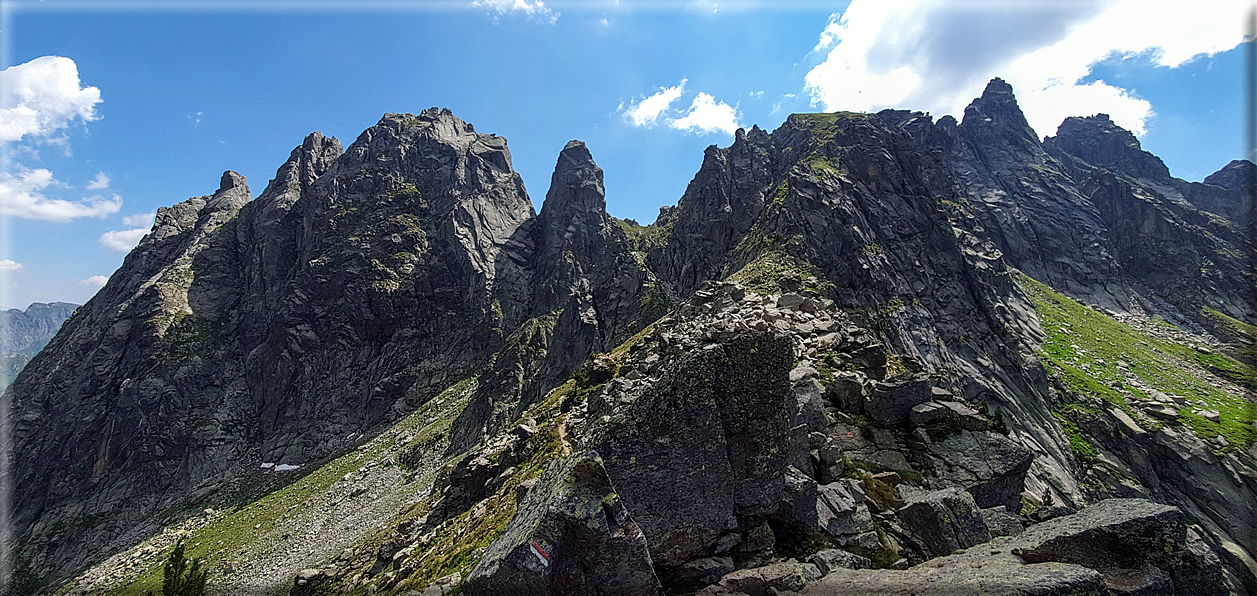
x=945 y=521
x=571 y=535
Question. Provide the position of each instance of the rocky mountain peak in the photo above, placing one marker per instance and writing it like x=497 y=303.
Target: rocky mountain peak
x=576 y=186
x=1099 y=141
x=305 y=164
x=1234 y=176
x=231 y=180
x=574 y=216
x=996 y=115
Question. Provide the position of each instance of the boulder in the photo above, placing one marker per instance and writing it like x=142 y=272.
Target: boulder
x=771 y=580
x=831 y=558
x=694 y=575
x=846 y=391
x=925 y=413
x=809 y=407
x=799 y=505
x=571 y=535
x=963 y=575
x=1002 y=523
x=891 y=403
x=1122 y=539
x=970 y=419
x=945 y=521
x=831 y=465
x=840 y=510
x=990 y=466
x=307 y=582
x=441 y=587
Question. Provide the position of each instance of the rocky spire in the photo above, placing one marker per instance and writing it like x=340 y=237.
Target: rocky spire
x=306 y=163
x=996 y=117
x=574 y=216
x=1099 y=141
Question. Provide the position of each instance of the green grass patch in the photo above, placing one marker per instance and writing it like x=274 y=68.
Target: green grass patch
x=645 y=238
x=825 y=126
x=779 y=196
x=454 y=547
x=1098 y=356
x=1231 y=328
x=1078 y=442
x=767 y=272
x=242 y=525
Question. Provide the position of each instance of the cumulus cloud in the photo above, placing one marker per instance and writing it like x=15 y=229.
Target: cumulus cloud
x=22 y=195
x=706 y=115
x=42 y=96
x=647 y=111
x=144 y=220
x=100 y=182
x=536 y=9
x=122 y=240
x=95 y=281
x=938 y=55
x=9 y=265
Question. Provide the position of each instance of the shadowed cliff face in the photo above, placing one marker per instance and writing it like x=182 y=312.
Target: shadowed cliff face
x=363 y=282
x=355 y=287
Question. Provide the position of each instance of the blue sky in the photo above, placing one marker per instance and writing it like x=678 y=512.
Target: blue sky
x=186 y=94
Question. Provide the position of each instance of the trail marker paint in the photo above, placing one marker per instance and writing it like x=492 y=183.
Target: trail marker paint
x=541 y=553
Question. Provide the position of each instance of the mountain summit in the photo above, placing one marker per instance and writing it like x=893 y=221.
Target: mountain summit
x=856 y=347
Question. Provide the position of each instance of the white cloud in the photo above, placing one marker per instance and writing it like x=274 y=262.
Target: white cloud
x=536 y=9
x=100 y=182
x=42 y=96
x=123 y=240
x=21 y=195
x=647 y=111
x=707 y=115
x=140 y=219
x=95 y=281
x=938 y=55
x=9 y=265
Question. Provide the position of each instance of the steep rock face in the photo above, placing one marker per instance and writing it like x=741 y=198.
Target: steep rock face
x=570 y=287
x=104 y=440
x=1158 y=230
x=871 y=211
x=1235 y=202
x=395 y=246
x=357 y=286
x=1027 y=205
x=724 y=199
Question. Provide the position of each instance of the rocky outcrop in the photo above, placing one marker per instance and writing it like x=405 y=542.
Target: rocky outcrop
x=689 y=484
x=1100 y=142
x=947 y=520
x=1136 y=544
x=960 y=574
x=570 y=535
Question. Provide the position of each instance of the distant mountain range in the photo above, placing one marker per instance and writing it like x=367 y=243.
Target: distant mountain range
x=26 y=333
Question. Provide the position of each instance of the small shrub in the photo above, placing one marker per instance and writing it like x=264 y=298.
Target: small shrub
x=181 y=577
